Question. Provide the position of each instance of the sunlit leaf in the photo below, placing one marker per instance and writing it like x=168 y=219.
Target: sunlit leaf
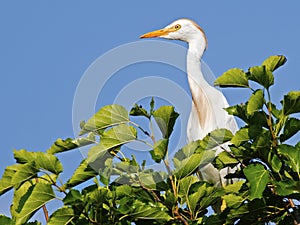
x=24 y=173
x=214 y=139
x=261 y=75
x=224 y=159
x=83 y=173
x=291 y=103
x=240 y=136
x=274 y=62
x=40 y=194
x=61 y=145
x=107 y=116
x=159 y=150
x=110 y=140
x=42 y=160
x=62 y=216
x=6 y=220
x=165 y=118
x=255 y=102
x=287 y=187
x=233 y=78
x=239 y=110
x=258 y=177
x=5 y=181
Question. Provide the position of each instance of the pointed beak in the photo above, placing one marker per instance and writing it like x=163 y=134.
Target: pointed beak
x=158 y=33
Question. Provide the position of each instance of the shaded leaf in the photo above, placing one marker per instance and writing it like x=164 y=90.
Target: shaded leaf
x=292 y=155
x=165 y=118
x=224 y=159
x=274 y=62
x=159 y=150
x=62 y=216
x=107 y=116
x=261 y=75
x=287 y=187
x=255 y=102
x=6 y=220
x=258 y=177
x=83 y=173
x=291 y=127
x=291 y=103
x=232 y=78
x=137 y=110
x=239 y=110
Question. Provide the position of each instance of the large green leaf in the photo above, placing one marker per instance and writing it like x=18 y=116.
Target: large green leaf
x=233 y=78
x=107 y=116
x=291 y=127
x=242 y=135
x=224 y=159
x=258 y=177
x=159 y=150
x=165 y=118
x=287 y=187
x=149 y=211
x=83 y=173
x=40 y=194
x=42 y=160
x=110 y=140
x=62 y=216
x=255 y=102
x=24 y=173
x=292 y=155
x=214 y=139
x=70 y=144
x=291 y=103
x=197 y=160
x=274 y=62
x=261 y=75
x=5 y=181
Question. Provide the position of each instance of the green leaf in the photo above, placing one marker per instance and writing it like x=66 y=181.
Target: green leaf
x=6 y=220
x=83 y=173
x=274 y=62
x=261 y=75
x=239 y=110
x=255 y=102
x=110 y=115
x=62 y=216
x=39 y=196
x=137 y=110
x=233 y=201
x=5 y=181
x=291 y=127
x=165 y=118
x=242 y=135
x=70 y=144
x=224 y=159
x=214 y=139
x=24 y=173
x=292 y=155
x=258 y=177
x=42 y=160
x=110 y=140
x=287 y=187
x=234 y=188
x=233 y=78
x=192 y=163
x=291 y=103
x=159 y=150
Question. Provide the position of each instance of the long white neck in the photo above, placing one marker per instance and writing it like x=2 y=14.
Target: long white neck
x=198 y=85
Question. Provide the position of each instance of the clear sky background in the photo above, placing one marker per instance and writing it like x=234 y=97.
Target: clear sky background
x=45 y=47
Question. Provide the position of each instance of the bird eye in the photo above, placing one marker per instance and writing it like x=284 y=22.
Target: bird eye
x=177 y=27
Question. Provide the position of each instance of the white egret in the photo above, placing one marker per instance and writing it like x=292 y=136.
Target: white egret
x=208 y=103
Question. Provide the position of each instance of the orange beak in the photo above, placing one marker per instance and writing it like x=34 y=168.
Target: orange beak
x=158 y=33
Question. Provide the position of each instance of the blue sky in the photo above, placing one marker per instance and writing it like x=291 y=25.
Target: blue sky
x=46 y=46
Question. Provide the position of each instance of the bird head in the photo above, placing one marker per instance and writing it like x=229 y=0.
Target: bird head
x=183 y=29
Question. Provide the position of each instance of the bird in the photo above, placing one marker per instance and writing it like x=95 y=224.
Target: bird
x=208 y=103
